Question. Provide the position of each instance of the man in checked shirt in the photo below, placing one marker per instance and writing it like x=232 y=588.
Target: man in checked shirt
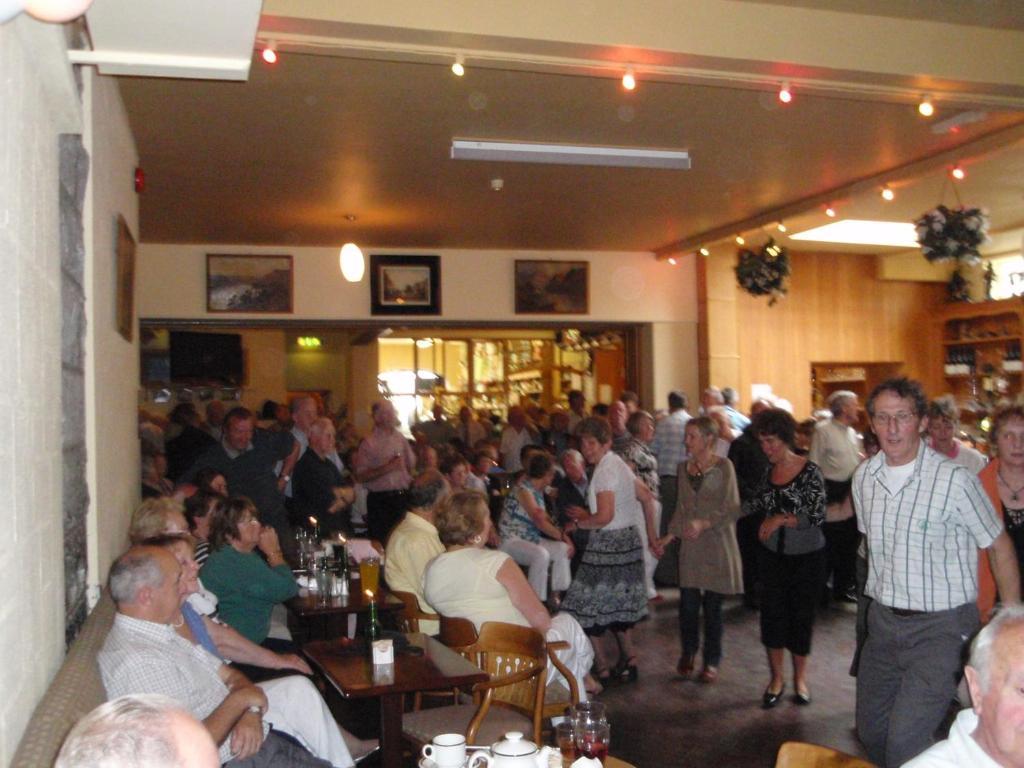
x=925 y=519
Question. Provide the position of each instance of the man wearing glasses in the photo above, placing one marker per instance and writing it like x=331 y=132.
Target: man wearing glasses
x=925 y=518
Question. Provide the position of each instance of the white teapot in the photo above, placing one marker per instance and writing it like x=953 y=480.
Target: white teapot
x=512 y=752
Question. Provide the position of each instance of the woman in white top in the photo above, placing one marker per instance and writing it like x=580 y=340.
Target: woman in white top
x=608 y=591
x=471 y=582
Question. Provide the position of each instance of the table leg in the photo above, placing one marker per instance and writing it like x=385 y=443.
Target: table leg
x=391 y=706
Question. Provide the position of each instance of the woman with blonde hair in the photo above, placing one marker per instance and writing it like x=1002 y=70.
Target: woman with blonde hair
x=472 y=582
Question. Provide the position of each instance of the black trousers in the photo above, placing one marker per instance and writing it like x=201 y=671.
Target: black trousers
x=841 y=539
x=746 y=537
x=384 y=510
x=790 y=586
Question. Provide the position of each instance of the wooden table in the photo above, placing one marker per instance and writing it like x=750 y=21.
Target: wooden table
x=325 y=618
x=353 y=677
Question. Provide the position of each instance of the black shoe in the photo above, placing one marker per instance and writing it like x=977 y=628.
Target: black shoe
x=769 y=700
x=846 y=597
x=803 y=699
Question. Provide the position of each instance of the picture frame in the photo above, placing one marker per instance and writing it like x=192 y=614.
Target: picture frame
x=125 y=256
x=405 y=285
x=249 y=283
x=552 y=287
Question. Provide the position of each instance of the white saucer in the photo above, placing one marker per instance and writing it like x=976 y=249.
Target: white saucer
x=426 y=762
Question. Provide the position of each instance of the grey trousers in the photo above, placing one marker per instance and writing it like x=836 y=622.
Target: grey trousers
x=280 y=752
x=909 y=670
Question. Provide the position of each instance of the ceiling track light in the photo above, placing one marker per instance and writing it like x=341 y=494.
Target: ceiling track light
x=887 y=194
x=459 y=65
x=672 y=260
x=958 y=173
x=704 y=252
x=785 y=93
x=629 y=79
x=926 y=108
x=269 y=55
x=781 y=227
x=830 y=211
x=740 y=240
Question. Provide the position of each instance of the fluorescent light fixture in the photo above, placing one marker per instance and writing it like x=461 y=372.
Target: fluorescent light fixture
x=898 y=234
x=568 y=154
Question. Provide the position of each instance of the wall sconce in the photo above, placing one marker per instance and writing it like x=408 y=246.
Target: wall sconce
x=309 y=342
x=56 y=11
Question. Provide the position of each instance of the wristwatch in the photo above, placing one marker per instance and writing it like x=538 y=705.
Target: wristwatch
x=286 y=478
x=256 y=709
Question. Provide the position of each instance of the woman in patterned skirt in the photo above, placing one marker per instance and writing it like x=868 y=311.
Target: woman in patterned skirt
x=607 y=593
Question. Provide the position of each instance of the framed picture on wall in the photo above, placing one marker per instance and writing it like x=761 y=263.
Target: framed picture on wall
x=125 y=254
x=405 y=285
x=552 y=287
x=240 y=283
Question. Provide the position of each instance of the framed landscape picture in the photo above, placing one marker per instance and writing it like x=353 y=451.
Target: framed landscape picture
x=237 y=283
x=552 y=287
x=405 y=285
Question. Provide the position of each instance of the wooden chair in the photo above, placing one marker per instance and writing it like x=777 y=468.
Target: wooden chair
x=412 y=614
x=511 y=700
x=798 y=754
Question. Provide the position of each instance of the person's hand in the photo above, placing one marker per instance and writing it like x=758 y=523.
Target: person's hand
x=268 y=542
x=576 y=512
x=293 y=661
x=397 y=462
x=658 y=548
x=769 y=526
x=570 y=549
x=282 y=483
x=247 y=736
x=692 y=530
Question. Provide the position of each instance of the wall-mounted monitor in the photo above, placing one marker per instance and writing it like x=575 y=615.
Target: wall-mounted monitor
x=206 y=358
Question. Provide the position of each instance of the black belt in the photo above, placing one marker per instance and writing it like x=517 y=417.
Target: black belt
x=399 y=492
x=904 y=612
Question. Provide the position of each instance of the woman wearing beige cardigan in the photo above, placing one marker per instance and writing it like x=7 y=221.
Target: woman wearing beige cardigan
x=709 y=558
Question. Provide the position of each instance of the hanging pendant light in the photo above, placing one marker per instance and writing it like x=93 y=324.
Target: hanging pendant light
x=352 y=263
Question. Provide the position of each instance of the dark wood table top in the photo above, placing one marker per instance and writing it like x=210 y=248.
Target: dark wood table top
x=354 y=675
x=311 y=604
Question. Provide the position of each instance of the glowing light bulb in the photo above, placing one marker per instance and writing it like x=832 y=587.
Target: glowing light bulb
x=740 y=240
x=887 y=193
x=672 y=260
x=459 y=67
x=830 y=212
x=781 y=227
x=56 y=11
x=958 y=173
x=785 y=94
x=269 y=55
x=629 y=79
x=926 y=108
x=352 y=263
x=704 y=252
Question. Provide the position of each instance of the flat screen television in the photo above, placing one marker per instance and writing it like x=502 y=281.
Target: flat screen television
x=206 y=358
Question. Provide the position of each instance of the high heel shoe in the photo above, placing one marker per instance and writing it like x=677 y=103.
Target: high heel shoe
x=770 y=699
x=802 y=697
x=630 y=671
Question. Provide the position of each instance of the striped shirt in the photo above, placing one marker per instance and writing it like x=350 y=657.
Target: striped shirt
x=923 y=537
x=667 y=444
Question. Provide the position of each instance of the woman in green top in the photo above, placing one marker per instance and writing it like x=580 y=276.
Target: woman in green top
x=247 y=586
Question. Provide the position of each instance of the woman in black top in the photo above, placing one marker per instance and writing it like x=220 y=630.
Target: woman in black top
x=791 y=560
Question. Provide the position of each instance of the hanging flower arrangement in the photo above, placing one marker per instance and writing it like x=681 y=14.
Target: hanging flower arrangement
x=952 y=233
x=764 y=272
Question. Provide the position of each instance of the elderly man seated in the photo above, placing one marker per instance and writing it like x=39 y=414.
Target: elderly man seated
x=144 y=654
x=415 y=542
x=992 y=733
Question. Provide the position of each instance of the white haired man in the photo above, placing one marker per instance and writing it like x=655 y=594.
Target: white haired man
x=990 y=734
x=130 y=731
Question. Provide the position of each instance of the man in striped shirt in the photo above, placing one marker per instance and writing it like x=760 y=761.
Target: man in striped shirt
x=925 y=519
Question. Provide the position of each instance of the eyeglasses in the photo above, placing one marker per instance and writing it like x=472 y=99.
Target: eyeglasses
x=249 y=521
x=902 y=419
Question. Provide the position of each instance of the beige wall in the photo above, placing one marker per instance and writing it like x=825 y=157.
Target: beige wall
x=475 y=285
x=112 y=363
x=37 y=102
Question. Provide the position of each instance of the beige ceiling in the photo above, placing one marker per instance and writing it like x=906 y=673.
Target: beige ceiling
x=340 y=128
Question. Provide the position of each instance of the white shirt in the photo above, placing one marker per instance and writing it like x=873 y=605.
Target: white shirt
x=835 y=448
x=512 y=442
x=613 y=474
x=960 y=750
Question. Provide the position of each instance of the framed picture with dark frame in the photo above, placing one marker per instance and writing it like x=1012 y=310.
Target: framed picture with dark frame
x=125 y=253
x=244 y=283
x=405 y=285
x=552 y=287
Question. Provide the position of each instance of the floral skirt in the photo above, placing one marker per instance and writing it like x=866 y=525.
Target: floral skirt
x=608 y=590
